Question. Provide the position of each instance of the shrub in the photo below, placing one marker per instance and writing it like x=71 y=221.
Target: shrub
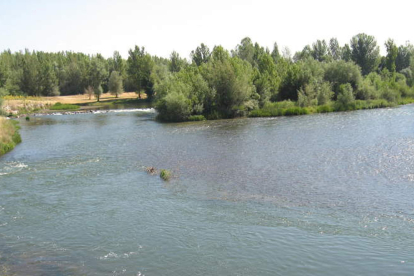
x=165 y=175
x=390 y=95
x=325 y=94
x=174 y=107
x=345 y=100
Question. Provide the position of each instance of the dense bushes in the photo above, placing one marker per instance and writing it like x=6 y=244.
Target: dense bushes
x=252 y=82
x=223 y=84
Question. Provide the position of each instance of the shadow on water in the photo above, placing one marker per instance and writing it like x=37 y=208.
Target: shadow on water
x=36 y=264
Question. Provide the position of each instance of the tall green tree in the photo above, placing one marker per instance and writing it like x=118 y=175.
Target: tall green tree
x=275 y=53
x=97 y=75
x=365 y=52
x=404 y=57
x=201 y=54
x=118 y=64
x=335 y=49
x=176 y=62
x=140 y=65
x=392 y=53
x=320 y=50
x=246 y=50
x=115 y=84
x=346 y=53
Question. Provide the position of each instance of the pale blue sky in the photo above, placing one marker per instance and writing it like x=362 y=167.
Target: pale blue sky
x=93 y=26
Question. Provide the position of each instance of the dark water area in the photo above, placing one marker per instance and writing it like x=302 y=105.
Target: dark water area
x=323 y=194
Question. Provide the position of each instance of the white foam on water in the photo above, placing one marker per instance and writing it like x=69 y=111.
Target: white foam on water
x=147 y=110
x=113 y=255
x=18 y=165
x=12 y=167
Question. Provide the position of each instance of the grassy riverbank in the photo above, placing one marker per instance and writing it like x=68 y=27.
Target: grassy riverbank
x=289 y=108
x=9 y=135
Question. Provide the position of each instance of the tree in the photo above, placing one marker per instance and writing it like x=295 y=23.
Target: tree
x=115 y=84
x=267 y=80
x=118 y=64
x=140 y=65
x=304 y=54
x=200 y=55
x=245 y=50
x=72 y=80
x=342 y=72
x=89 y=91
x=176 y=62
x=346 y=53
x=392 y=53
x=231 y=78
x=28 y=81
x=275 y=53
x=334 y=49
x=46 y=79
x=98 y=92
x=365 y=52
x=97 y=75
x=346 y=99
x=404 y=55
x=320 y=50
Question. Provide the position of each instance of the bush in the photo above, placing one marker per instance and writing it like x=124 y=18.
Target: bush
x=325 y=93
x=390 y=95
x=174 y=107
x=345 y=100
x=165 y=175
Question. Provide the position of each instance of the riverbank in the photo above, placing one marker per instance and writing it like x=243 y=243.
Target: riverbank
x=22 y=106
x=9 y=135
x=288 y=108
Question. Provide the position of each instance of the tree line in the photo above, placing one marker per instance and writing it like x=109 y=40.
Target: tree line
x=219 y=83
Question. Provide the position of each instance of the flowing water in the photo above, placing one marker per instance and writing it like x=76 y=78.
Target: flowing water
x=328 y=194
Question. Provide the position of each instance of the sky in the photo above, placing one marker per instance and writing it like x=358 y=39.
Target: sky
x=161 y=26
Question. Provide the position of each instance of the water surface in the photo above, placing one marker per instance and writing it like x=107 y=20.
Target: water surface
x=328 y=194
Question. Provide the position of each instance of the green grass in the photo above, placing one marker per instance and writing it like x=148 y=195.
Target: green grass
x=59 y=106
x=277 y=109
x=122 y=103
x=197 y=118
x=288 y=108
x=9 y=135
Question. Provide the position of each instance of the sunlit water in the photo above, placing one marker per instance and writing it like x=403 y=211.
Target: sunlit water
x=329 y=194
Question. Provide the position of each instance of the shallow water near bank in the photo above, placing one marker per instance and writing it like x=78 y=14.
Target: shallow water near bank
x=321 y=194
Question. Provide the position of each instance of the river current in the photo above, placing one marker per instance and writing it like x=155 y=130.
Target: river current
x=324 y=194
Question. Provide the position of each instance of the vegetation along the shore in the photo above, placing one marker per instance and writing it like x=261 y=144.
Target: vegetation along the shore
x=9 y=135
x=249 y=80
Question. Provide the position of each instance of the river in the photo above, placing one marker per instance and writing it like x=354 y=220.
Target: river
x=323 y=194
